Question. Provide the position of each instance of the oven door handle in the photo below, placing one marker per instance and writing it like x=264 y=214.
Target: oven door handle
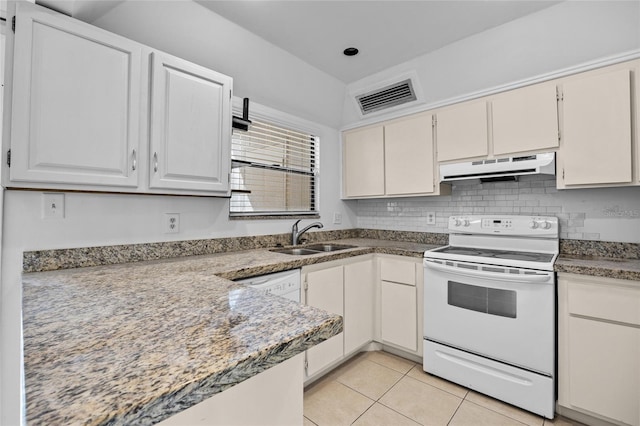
x=537 y=278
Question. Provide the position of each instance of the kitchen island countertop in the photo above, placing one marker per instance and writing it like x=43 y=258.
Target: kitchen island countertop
x=139 y=342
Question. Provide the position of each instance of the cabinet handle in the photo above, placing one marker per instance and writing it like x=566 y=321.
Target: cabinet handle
x=134 y=160
x=155 y=162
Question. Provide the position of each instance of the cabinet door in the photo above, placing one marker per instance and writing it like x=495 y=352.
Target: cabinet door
x=408 y=154
x=358 y=305
x=399 y=315
x=363 y=162
x=604 y=364
x=596 y=133
x=76 y=100
x=525 y=119
x=462 y=131
x=191 y=126
x=325 y=291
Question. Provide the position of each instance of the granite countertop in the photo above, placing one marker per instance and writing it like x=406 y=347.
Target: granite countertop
x=138 y=342
x=625 y=269
x=134 y=343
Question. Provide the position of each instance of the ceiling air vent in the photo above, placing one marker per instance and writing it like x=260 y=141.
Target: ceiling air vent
x=387 y=97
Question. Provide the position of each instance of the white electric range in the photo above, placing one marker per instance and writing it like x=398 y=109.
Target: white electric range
x=490 y=308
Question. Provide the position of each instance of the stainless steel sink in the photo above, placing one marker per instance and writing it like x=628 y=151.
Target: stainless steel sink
x=328 y=247
x=295 y=251
x=312 y=249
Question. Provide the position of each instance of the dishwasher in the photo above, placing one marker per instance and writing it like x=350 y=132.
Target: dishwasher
x=284 y=284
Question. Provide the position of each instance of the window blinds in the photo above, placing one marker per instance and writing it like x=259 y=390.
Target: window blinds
x=273 y=171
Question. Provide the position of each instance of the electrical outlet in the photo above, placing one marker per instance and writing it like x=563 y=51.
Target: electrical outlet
x=431 y=218
x=171 y=223
x=52 y=206
x=337 y=218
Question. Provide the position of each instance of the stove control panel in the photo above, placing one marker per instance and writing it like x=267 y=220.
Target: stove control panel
x=544 y=226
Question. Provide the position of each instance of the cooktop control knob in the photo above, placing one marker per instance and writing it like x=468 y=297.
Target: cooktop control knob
x=545 y=225
x=533 y=224
x=465 y=222
x=457 y=222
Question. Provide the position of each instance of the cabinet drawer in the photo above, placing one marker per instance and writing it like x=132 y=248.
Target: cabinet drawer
x=398 y=271
x=607 y=302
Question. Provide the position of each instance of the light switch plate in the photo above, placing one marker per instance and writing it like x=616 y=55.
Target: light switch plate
x=52 y=205
x=337 y=218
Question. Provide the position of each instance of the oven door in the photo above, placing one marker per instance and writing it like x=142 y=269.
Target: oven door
x=502 y=313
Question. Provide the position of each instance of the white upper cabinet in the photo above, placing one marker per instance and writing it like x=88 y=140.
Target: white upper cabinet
x=462 y=131
x=76 y=98
x=95 y=111
x=525 y=119
x=596 y=133
x=392 y=159
x=363 y=162
x=408 y=153
x=191 y=126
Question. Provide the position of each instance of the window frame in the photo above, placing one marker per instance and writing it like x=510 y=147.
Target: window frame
x=272 y=116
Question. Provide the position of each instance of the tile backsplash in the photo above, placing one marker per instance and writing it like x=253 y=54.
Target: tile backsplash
x=608 y=214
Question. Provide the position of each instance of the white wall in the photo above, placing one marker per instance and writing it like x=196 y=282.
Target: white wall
x=260 y=70
x=560 y=37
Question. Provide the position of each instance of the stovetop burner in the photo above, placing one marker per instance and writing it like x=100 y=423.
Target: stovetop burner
x=497 y=254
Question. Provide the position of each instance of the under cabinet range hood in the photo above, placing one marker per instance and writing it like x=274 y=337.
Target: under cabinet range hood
x=508 y=168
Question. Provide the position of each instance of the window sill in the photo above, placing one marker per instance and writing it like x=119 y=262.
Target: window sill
x=276 y=217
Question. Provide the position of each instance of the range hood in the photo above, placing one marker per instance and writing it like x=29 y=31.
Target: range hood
x=500 y=168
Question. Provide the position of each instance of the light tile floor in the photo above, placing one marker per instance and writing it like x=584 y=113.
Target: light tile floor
x=377 y=388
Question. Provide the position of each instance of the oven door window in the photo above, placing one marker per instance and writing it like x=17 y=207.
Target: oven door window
x=482 y=299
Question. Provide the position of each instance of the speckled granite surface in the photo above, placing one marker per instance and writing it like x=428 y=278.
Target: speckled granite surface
x=135 y=343
x=600 y=259
x=51 y=260
x=624 y=269
x=605 y=249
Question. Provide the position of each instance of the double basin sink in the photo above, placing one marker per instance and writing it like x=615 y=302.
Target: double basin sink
x=312 y=249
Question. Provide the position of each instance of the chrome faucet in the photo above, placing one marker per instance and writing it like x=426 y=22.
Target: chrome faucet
x=295 y=235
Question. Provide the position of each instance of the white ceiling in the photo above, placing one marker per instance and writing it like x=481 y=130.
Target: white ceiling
x=386 y=32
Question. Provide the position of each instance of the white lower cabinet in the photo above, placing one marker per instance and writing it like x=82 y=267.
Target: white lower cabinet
x=379 y=298
x=343 y=287
x=324 y=289
x=358 y=305
x=401 y=303
x=599 y=347
x=399 y=315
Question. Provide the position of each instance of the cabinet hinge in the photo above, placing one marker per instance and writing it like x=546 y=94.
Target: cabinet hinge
x=9 y=158
x=559 y=94
x=306 y=363
x=562 y=174
x=434 y=121
x=13 y=24
x=559 y=136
